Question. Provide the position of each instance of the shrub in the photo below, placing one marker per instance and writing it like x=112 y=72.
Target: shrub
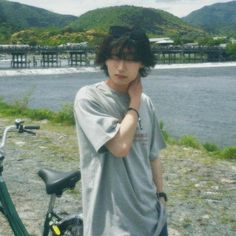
x=165 y=134
x=40 y=114
x=211 y=147
x=190 y=141
x=228 y=152
x=65 y=115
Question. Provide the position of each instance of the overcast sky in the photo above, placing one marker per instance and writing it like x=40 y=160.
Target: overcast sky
x=77 y=7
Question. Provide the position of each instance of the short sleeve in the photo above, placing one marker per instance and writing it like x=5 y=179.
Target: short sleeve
x=98 y=126
x=157 y=141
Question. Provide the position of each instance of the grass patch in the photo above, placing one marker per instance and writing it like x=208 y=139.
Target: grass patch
x=165 y=134
x=228 y=153
x=167 y=137
x=190 y=141
x=20 y=108
x=211 y=147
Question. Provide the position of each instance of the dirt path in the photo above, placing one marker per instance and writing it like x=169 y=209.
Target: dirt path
x=201 y=189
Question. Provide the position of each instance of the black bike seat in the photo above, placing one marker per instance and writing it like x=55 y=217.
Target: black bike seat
x=57 y=181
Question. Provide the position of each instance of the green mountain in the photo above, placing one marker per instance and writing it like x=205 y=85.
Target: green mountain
x=218 y=18
x=16 y=16
x=21 y=23
x=153 y=21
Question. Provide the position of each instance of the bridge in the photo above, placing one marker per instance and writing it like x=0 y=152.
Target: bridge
x=189 y=54
x=25 y=56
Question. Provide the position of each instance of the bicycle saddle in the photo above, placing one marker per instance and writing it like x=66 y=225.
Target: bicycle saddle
x=57 y=182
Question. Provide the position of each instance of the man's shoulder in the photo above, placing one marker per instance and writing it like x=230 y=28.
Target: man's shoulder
x=146 y=98
x=87 y=91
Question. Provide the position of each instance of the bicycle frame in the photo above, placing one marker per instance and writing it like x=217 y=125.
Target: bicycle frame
x=50 y=215
x=8 y=209
x=7 y=206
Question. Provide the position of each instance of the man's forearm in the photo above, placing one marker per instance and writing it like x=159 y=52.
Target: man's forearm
x=120 y=145
x=157 y=174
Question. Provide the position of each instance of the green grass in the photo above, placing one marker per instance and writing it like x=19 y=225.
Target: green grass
x=189 y=141
x=211 y=147
x=228 y=153
x=20 y=108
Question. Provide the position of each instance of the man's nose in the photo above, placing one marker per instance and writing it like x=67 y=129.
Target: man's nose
x=121 y=65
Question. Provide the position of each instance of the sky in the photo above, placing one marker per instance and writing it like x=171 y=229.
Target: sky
x=178 y=8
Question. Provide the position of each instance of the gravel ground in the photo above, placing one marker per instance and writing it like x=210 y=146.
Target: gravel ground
x=25 y=155
x=201 y=189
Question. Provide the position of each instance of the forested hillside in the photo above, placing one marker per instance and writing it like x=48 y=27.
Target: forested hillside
x=218 y=18
x=20 y=23
x=16 y=16
x=153 y=21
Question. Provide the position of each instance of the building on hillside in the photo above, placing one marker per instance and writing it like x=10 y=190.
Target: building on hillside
x=161 y=41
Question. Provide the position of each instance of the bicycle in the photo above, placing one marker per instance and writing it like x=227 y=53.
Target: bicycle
x=56 y=182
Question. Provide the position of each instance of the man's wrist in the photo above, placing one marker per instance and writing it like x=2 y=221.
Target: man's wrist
x=135 y=110
x=138 y=116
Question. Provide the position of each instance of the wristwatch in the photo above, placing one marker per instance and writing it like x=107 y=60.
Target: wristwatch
x=162 y=194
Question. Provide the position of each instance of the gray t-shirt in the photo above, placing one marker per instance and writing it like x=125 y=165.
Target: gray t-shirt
x=119 y=195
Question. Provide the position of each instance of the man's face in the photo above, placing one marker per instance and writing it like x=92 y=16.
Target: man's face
x=122 y=72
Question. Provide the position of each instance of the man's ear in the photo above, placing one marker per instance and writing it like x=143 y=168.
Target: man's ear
x=105 y=63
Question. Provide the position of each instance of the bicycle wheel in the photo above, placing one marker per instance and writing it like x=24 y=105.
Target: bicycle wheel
x=72 y=226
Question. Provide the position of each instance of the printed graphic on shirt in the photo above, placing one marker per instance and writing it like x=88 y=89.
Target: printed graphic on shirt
x=141 y=137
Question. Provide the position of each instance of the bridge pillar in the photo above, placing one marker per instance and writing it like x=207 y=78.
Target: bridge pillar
x=49 y=59
x=19 y=60
x=78 y=58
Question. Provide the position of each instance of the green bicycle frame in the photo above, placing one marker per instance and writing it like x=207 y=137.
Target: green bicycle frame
x=9 y=210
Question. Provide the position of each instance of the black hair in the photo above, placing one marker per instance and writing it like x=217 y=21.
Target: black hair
x=127 y=44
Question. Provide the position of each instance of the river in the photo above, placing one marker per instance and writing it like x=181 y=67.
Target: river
x=198 y=100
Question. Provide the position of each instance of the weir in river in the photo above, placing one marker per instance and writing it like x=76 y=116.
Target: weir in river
x=25 y=56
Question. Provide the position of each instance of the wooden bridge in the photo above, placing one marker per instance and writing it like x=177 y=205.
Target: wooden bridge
x=189 y=54
x=25 y=56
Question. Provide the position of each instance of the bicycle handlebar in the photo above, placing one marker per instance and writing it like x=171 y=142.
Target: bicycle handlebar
x=17 y=127
x=32 y=127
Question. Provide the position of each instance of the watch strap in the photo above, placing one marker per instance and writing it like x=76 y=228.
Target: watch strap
x=162 y=194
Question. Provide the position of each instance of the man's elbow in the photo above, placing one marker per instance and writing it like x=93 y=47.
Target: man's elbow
x=120 y=151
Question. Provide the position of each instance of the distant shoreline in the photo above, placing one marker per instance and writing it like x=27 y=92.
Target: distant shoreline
x=71 y=70
x=196 y=65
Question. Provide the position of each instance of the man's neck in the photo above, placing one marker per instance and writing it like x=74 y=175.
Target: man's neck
x=117 y=88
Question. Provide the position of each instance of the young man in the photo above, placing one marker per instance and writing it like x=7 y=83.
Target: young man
x=119 y=142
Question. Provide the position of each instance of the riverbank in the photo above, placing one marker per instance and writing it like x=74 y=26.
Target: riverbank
x=66 y=116
x=201 y=188
x=5 y=72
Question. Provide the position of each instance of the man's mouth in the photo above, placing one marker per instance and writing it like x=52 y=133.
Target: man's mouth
x=120 y=76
